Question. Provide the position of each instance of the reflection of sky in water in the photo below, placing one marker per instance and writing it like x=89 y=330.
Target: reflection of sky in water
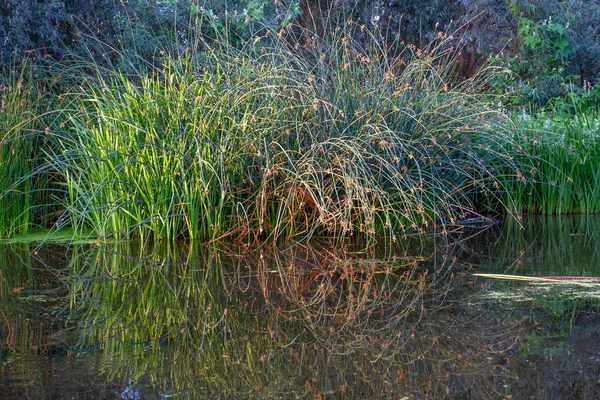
x=306 y=321
x=131 y=392
x=539 y=291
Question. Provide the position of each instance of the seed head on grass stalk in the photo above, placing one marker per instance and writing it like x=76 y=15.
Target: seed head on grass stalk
x=388 y=140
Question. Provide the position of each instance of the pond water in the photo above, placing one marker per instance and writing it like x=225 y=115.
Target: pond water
x=307 y=320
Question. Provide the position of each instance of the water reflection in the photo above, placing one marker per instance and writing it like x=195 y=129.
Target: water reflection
x=302 y=321
x=537 y=246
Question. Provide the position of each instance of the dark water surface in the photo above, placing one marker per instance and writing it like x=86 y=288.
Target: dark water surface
x=306 y=321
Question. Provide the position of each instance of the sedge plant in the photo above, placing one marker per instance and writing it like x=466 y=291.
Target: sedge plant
x=566 y=149
x=343 y=137
x=24 y=107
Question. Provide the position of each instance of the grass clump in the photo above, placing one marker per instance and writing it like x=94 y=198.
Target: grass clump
x=30 y=117
x=566 y=148
x=22 y=142
x=168 y=153
x=14 y=154
x=343 y=138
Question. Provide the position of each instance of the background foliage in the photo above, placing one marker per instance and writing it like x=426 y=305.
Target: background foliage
x=551 y=47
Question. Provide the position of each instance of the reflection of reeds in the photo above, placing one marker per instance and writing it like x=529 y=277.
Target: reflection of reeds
x=588 y=282
x=304 y=321
x=537 y=246
x=26 y=299
x=274 y=322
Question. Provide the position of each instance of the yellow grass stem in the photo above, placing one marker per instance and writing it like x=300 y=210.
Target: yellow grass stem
x=581 y=281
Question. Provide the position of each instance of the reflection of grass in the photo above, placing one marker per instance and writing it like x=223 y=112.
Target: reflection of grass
x=26 y=302
x=556 y=246
x=560 y=334
x=589 y=282
x=306 y=321
x=300 y=322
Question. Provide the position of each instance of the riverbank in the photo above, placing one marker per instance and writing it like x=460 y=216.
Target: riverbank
x=268 y=142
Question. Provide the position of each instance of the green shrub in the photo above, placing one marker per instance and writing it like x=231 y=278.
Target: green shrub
x=52 y=28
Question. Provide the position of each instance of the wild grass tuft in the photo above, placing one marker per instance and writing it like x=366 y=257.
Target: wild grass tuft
x=338 y=139
x=566 y=147
x=20 y=104
x=30 y=112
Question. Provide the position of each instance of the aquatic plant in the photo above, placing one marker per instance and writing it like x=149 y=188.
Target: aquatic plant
x=566 y=148
x=342 y=138
x=30 y=114
x=19 y=146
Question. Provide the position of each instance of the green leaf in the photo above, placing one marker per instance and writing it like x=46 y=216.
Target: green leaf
x=562 y=44
x=524 y=30
x=532 y=41
x=558 y=28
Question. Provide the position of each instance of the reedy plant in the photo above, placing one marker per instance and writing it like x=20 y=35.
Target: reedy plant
x=341 y=138
x=22 y=142
x=14 y=203
x=566 y=148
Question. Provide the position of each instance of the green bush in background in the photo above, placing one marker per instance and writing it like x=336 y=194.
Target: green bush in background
x=552 y=48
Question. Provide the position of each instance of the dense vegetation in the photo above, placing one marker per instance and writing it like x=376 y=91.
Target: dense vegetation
x=259 y=119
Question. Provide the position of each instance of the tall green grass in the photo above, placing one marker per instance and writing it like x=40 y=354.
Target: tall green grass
x=340 y=139
x=29 y=118
x=19 y=105
x=566 y=149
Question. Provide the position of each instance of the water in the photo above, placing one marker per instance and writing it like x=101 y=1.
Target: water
x=305 y=320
